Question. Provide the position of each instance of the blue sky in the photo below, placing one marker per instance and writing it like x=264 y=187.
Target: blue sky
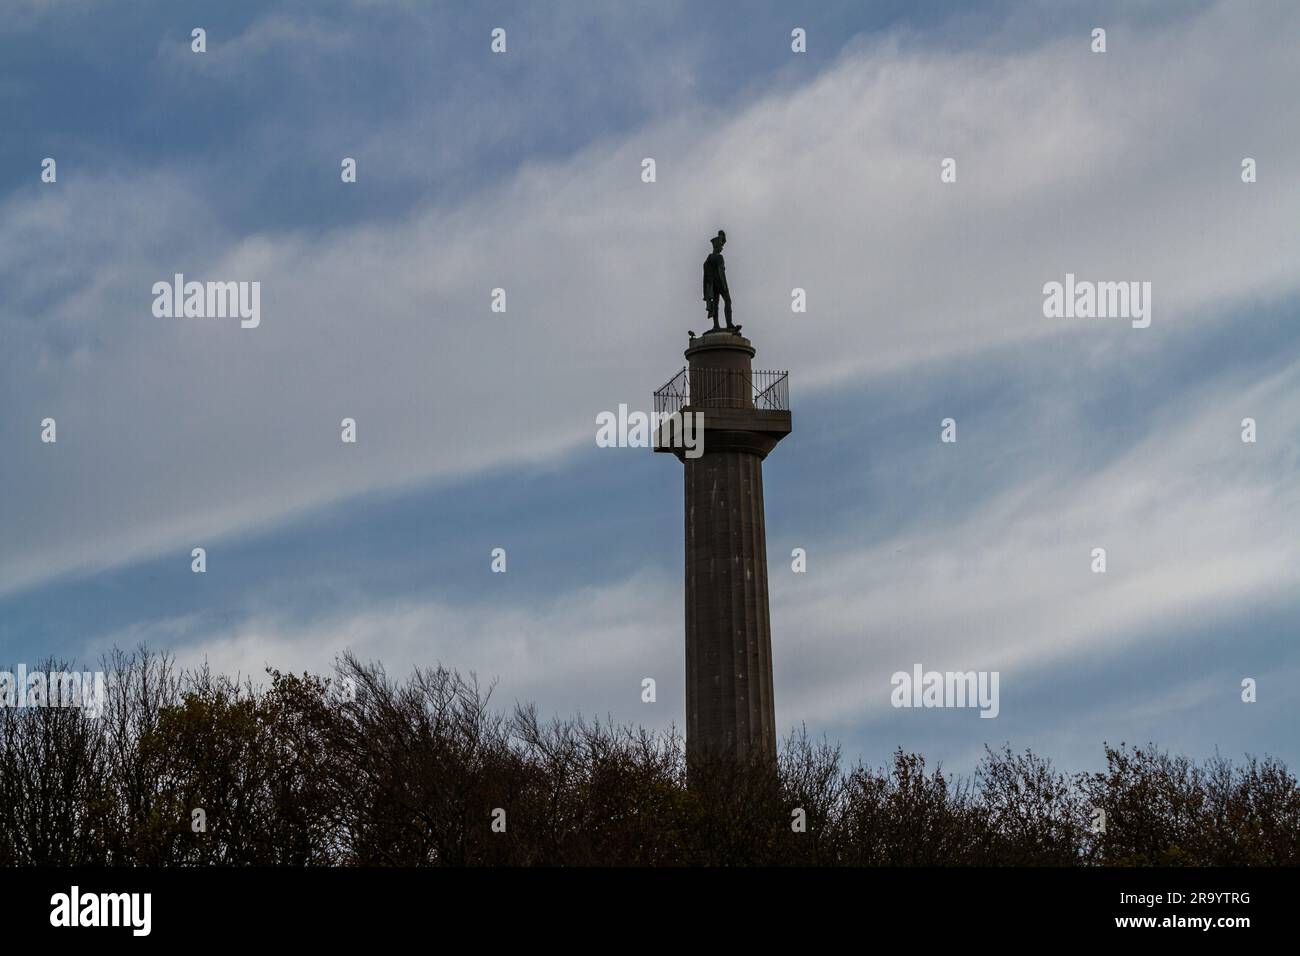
x=476 y=430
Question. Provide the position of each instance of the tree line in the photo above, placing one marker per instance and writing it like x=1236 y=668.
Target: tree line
x=191 y=768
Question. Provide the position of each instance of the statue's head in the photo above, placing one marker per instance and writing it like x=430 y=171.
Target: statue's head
x=719 y=241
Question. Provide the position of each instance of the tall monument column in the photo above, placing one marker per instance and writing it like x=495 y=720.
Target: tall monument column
x=729 y=701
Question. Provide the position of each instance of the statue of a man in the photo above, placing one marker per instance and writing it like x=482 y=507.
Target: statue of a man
x=715 y=282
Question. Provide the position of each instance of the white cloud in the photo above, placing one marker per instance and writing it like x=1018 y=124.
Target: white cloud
x=586 y=651
x=178 y=431
x=1197 y=526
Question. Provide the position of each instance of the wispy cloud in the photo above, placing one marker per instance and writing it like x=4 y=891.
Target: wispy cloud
x=1067 y=162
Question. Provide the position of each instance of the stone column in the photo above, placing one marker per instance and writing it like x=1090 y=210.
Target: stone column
x=729 y=700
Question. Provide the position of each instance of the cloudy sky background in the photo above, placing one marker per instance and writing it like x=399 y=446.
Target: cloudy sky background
x=476 y=430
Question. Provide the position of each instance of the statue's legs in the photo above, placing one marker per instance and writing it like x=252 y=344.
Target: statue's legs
x=726 y=297
x=713 y=311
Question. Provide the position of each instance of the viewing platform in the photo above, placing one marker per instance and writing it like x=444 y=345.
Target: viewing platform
x=739 y=408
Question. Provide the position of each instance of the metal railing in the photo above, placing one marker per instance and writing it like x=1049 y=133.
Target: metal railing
x=724 y=388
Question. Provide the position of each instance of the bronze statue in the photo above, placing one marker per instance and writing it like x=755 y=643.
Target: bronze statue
x=715 y=283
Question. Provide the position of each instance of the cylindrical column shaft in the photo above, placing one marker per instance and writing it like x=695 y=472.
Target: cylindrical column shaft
x=729 y=700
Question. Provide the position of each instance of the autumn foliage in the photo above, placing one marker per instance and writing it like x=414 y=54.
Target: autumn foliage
x=294 y=771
